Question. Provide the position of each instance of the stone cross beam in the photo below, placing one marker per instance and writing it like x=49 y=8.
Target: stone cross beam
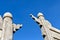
x=7 y=27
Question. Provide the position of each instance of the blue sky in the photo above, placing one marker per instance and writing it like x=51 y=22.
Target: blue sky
x=21 y=9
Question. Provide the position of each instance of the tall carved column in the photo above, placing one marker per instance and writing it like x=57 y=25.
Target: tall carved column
x=8 y=27
x=1 y=24
x=40 y=20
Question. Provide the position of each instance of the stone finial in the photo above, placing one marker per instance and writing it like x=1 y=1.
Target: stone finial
x=40 y=14
x=31 y=15
x=7 y=14
x=19 y=26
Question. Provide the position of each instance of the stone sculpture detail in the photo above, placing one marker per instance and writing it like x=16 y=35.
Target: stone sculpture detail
x=48 y=31
x=7 y=27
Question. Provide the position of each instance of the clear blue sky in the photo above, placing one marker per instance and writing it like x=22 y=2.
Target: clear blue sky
x=21 y=9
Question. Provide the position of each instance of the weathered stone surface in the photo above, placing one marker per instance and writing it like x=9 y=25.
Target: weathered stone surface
x=48 y=31
x=7 y=27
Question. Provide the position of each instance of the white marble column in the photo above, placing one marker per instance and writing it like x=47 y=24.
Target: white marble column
x=8 y=28
x=42 y=22
x=1 y=24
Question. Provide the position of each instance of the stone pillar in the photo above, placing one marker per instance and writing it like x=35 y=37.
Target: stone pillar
x=7 y=27
x=43 y=25
x=1 y=23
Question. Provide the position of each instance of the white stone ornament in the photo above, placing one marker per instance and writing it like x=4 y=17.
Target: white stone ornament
x=7 y=27
x=40 y=14
x=48 y=31
x=7 y=14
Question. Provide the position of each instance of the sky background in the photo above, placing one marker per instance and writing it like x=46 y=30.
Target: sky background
x=21 y=9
